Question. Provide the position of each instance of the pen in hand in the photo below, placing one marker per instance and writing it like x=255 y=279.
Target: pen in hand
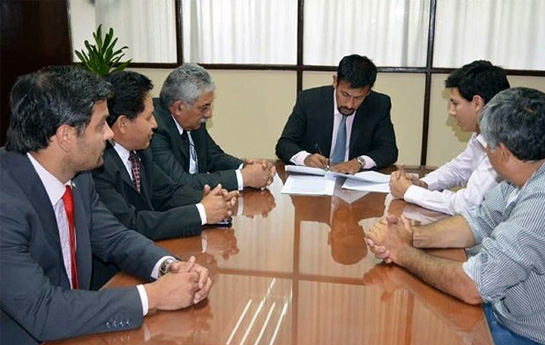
x=317 y=149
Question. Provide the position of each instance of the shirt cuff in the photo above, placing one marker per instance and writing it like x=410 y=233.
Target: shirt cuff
x=240 y=205
x=202 y=213
x=240 y=181
x=155 y=272
x=413 y=194
x=299 y=158
x=369 y=162
x=143 y=298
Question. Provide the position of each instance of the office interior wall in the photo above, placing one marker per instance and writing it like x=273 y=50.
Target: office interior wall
x=251 y=108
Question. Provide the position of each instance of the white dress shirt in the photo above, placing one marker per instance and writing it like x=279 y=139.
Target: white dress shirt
x=192 y=163
x=55 y=190
x=471 y=169
x=299 y=157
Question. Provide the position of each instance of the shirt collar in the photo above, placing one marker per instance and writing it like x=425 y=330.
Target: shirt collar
x=53 y=187
x=180 y=129
x=480 y=139
x=122 y=152
x=336 y=111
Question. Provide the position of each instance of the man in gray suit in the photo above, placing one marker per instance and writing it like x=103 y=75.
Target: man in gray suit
x=182 y=146
x=346 y=126
x=53 y=222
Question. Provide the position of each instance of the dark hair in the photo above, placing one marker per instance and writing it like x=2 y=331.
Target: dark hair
x=130 y=91
x=358 y=70
x=42 y=101
x=516 y=118
x=478 y=78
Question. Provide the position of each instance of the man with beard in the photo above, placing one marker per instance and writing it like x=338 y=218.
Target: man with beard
x=346 y=126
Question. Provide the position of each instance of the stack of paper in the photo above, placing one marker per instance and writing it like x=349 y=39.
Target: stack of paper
x=322 y=182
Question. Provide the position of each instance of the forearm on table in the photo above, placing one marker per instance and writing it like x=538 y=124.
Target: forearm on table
x=444 y=274
x=451 y=232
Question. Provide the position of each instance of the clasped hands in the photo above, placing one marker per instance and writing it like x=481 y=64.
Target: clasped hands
x=185 y=283
x=218 y=203
x=389 y=237
x=400 y=181
x=317 y=160
x=258 y=173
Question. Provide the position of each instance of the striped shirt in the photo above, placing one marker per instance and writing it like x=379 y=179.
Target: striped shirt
x=509 y=269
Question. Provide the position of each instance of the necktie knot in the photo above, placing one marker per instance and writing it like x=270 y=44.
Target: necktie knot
x=135 y=169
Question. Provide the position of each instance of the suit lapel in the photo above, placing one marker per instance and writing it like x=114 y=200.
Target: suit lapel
x=358 y=125
x=83 y=246
x=110 y=155
x=23 y=172
x=327 y=120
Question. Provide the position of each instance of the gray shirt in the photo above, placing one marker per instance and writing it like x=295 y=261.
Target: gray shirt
x=509 y=269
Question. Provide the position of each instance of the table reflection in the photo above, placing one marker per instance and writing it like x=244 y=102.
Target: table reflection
x=296 y=270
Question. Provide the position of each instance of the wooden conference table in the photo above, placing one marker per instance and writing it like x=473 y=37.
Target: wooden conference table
x=296 y=270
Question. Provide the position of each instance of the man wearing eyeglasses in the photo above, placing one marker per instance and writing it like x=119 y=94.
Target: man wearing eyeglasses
x=346 y=126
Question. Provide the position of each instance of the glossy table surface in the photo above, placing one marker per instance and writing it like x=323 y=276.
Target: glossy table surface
x=296 y=270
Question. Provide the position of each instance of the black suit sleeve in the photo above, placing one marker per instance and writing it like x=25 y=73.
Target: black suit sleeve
x=155 y=224
x=294 y=131
x=383 y=145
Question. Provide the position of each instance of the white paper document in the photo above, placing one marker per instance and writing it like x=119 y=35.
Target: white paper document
x=305 y=170
x=366 y=186
x=365 y=176
x=308 y=185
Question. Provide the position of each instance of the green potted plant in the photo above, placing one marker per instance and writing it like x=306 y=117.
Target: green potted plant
x=101 y=57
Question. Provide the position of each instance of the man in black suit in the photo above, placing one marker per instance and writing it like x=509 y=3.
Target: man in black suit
x=134 y=188
x=347 y=122
x=52 y=221
x=182 y=146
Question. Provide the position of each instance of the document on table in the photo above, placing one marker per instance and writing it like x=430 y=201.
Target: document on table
x=305 y=170
x=366 y=186
x=365 y=176
x=308 y=185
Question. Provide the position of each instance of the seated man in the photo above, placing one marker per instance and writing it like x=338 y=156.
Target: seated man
x=471 y=87
x=182 y=146
x=508 y=272
x=347 y=122
x=134 y=188
x=52 y=221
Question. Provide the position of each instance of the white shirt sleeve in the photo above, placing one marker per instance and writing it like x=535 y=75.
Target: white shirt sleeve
x=240 y=181
x=481 y=177
x=299 y=158
x=142 y=290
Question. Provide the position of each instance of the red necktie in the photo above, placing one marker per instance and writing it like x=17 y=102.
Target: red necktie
x=68 y=201
x=135 y=169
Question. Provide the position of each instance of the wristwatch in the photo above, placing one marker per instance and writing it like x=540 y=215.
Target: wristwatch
x=163 y=269
x=362 y=162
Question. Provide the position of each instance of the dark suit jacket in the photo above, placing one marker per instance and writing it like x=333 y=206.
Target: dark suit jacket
x=311 y=123
x=161 y=210
x=172 y=155
x=37 y=303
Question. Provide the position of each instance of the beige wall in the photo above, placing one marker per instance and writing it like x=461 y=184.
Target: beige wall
x=251 y=108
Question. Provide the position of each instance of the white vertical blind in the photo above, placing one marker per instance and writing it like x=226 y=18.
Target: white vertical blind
x=509 y=33
x=240 y=31
x=390 y=32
